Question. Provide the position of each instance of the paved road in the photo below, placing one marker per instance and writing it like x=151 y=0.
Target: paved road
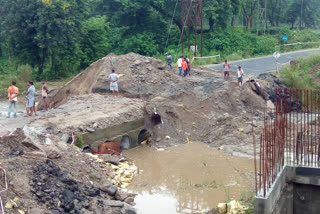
x=259 y=65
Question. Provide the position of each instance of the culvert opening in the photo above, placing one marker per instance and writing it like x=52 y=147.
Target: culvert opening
x=144 y=136
x=156 y=119
x=125 y=142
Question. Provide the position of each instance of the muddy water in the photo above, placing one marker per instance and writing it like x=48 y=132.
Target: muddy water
x=188 y=178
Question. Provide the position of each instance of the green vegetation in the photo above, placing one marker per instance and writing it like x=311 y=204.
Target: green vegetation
x=79 y=141
x=304 y=73
x=55 y=39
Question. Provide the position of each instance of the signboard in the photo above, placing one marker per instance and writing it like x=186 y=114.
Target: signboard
x=276 y=55
x=193 y=48
x=284 y=38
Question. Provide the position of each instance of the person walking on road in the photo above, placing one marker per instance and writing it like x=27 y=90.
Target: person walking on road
x=113 y=79
x=179 y=63
x=44 y=94
x=13 y=93
x=226 y=72
x=189 y=67
x=169 y=59
x=240 y=74
x=185 y=67
x=30 y=99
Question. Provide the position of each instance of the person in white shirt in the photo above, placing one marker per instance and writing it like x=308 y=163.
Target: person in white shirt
x=113 y=79
x=226 y=72
x=240 y=75
x=179 y=63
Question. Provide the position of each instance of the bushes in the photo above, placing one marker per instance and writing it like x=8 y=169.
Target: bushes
x=304 y=74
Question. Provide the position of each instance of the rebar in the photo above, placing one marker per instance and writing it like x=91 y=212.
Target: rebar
x=290 y=135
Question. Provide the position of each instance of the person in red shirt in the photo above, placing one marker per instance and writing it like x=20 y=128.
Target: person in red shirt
x=185 y=67
x=13 y=92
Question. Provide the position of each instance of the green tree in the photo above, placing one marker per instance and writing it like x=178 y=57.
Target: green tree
x=249 y=8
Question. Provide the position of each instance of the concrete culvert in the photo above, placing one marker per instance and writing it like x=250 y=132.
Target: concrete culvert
x=125 y=142
x=156 y=119
x=143 y=136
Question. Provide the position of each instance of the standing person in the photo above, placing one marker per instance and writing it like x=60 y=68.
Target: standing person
x=13 y=93
x=188 y=62
x=185 y=67
x=179 y=63
x=44 y=94
x=240 y=75
x=30 y=98
x=169 y=59
x=226 y=72
x=113 y=79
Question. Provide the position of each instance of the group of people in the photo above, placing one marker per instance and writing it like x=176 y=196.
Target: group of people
x=226 y=73
x=13 y=92
x=183 y=64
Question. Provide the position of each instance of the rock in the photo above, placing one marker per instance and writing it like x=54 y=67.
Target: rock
x=168 y=137
x=247 y=130
x=53 y=155
x=137 y=62
x=222 y=208
x=92 y=192
x=55 y=212
x=240 y=129
x=147 y=61
x=130 y=211
x=95 y=125
x=226 y=115
x=111 y=190
x=129 y=200
x=114 y=159
x=37 y=211
x=120 y=195
x=113 y=203
x=81 y=128
x=158 y=139
x=17 y=151
x=65 y=138
x=91 y=130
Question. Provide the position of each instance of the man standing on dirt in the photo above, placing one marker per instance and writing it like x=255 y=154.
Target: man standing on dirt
x=240 y=75
x=30 y=98
x=44 y=94
x=226 y=72
x=169 y=59
x=113 y=79
x=179 y=63
x=13 y=92
x=189 y=66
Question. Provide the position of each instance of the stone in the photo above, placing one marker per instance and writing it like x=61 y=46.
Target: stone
x=65 y=138
x=158 y=139
x=111 y=190
x=114 y=159
x=95 y=125
x=91 y=130
x=121 y=195
x=247 y=130
x=37 y=211
x=147 y=61
x=222 y=208
x=113 y=203
x=137 y=62
x=130 y=211
x=129 y=200
x=81 y=128
x=92 y=192
x=240 y=129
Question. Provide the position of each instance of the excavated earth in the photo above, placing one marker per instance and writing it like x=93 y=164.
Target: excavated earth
x=58 y=179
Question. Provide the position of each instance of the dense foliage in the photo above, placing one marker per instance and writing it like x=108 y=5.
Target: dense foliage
x=57 y=38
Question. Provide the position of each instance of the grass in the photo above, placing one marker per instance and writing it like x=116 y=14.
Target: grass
x=79 y=141
x=304 y=74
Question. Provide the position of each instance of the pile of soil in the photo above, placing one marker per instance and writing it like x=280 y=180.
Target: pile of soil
x=70 y=184
x=200 y=107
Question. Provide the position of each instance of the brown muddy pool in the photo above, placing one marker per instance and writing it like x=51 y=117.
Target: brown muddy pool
x=189 y=178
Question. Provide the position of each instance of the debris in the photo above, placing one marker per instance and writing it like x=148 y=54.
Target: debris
x=222 y=208
x=168 y=137
x=234 y=207
x=240 y=129
x=21 y=211
x=160 y=149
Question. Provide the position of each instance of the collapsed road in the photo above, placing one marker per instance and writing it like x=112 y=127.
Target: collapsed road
x=201 y=107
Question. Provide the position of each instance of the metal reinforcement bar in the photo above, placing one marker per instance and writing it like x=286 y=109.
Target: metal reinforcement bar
x=4 y=186
x=290 y=136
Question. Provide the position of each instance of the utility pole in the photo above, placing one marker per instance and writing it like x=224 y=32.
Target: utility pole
x=301 y=15
x=265 y=16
